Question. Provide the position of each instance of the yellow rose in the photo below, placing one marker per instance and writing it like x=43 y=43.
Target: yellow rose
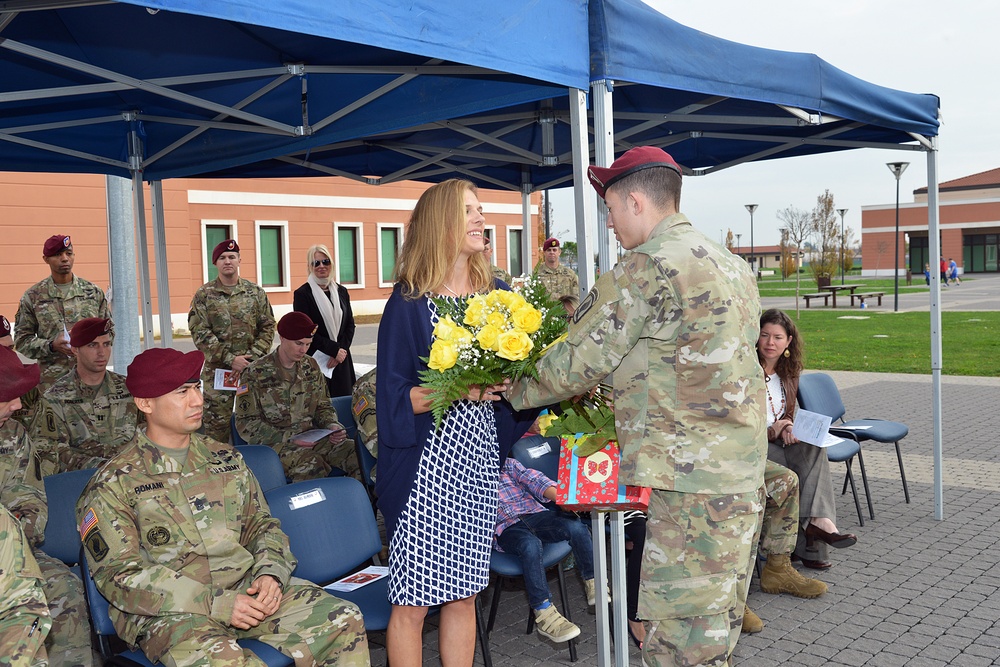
x=528 y=319
x=444 y=328
x=545 y=421
x=497 y=318
x=495 y=298
x=475 y=312
x=443 y=355
x=514 y=345
x=462 y=337
x=487 y=337
x=514 y=301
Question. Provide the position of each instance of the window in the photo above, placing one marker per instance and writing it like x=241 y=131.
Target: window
x=389 y=244
x=349 y=250
x=214 y=232
x=515 y=264
x=272 y=256
x=491 y=234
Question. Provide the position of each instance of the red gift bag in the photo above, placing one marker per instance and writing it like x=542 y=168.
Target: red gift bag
x=591 y=483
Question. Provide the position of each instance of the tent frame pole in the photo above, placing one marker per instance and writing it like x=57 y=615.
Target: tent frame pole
x=160 y=250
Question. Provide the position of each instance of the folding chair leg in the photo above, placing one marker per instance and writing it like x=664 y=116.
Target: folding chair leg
x=854 y=490
x=566 y=611
x=494 y=604
x=899 y=457
x=484 y=640
x=864 y=481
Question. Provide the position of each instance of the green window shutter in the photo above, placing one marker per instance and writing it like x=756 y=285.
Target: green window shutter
x=214 y=235
x=347 y=259
x=270 y=257
x=390 y=250
x=514 y=259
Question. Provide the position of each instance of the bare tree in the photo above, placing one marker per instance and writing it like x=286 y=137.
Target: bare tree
x=729 y=241
x=827 y=234
x=848 y=250
x=881 y=248
x=796 y=228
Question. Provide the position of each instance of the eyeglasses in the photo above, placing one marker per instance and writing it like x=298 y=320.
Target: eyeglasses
x=321 y=262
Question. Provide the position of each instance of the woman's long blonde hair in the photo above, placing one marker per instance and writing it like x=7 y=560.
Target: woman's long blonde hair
x=433 y=240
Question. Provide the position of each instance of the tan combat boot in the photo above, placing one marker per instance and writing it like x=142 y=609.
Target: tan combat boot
x=780 y=577
x=751 y=622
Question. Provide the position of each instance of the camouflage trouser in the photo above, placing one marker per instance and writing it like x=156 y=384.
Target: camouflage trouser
x=302 y=463
x=218 y=413
x=24 y=618
x=695 y=575
x=68 y=643
x=311 y=626
x=781 y=510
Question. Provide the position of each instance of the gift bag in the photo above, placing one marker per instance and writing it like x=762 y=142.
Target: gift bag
x=591 y=483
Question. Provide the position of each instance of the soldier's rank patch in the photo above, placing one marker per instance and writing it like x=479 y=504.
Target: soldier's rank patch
x=96 y=545
x=50 y=422
x=585 y=305
x=89 y=523
x=158 y=536
x=242 y=389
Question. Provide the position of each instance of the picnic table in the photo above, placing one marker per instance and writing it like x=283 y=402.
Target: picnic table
x=833 y=289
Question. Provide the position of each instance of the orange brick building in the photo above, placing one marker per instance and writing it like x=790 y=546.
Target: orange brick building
x=274 y=220
x=969 y=225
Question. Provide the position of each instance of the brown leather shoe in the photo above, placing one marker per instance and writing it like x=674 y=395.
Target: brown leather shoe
x=835 y=540
x=817 y=564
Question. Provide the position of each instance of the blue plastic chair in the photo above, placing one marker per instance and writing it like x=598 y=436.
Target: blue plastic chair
x=265 y=464
x=345 y=414
x=238 y=440
x=332 y=532
x=62 y=534
x=104 y=629
x=540 y=453
x=366 y=463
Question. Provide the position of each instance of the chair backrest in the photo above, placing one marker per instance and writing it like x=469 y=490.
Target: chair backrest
x=366 y=462
x=540 y=453
x=265 y=464
x=345 y=415
x=62 y=534
x=818 y=393
x=238 y=440
x=97 y=604
x=329 y=524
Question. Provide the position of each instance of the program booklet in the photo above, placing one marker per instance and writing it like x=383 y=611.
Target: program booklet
x=813 y=428
x=358 y=579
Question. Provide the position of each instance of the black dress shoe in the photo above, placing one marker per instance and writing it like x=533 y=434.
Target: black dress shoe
x=835 y=540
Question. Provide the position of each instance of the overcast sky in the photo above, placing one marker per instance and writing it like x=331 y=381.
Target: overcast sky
x=918 y=46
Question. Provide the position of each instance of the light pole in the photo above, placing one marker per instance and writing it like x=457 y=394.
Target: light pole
x=738 y=237
x=753 y=259
x=842 y=212
x=897 y=169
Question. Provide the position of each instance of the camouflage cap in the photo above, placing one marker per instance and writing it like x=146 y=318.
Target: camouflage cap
x=296 y=326
x=160 y=370
x=55 y=245
x=631 y=161
x=86 y=330
x=229 y=245
x=16 y=379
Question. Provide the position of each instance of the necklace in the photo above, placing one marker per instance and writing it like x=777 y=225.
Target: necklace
x=451 y=290
x=770 y=401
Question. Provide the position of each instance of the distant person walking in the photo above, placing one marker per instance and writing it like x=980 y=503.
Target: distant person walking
x=953 y=272
x=944 y=272
x=927 y=273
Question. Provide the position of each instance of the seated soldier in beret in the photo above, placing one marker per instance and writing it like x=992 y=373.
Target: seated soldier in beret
x=23 y=494
x=87 y=415
x=282 y=396
x=180 y=540
x=29 y=401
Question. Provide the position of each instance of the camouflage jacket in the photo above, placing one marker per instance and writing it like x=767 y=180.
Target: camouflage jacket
x=45 y=312
x=29 y=407
x=21 y=488
x=363 y=407
x=79 y=427
x=560 y=281
x=229 y=321
x=23 y=601
x=677 y=321
x=270 y=409
x=501 y=274
x=166 y=539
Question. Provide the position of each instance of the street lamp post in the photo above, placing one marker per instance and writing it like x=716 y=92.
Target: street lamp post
x=753 y=259
x=842 y=212
x=897 y=169
x=738 y=237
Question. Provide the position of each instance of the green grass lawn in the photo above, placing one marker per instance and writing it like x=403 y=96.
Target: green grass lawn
x=886 y=342
x=775 y=286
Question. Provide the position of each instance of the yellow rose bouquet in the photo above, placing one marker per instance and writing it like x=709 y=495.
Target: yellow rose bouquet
x=485 y=338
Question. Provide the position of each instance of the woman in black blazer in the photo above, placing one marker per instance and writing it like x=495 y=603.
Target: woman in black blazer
x=329 y=306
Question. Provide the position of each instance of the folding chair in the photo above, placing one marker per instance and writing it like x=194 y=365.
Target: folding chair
x=62 y=534
x=234 y=433
x=345 y=414
x=366 y=462
x=265 y=464
x=104 y=629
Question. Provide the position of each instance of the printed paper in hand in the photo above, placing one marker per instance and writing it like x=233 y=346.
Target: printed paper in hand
x=224 y=380
x=322 y=358
x=813 y=428
x=310 y=438
x=358 y=579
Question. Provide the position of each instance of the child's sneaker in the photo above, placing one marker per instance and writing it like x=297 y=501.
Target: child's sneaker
x=591 y=590
x=553 y=626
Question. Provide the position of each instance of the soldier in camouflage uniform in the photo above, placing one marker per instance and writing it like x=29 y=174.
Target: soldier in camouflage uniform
x=88 y=414
x=180 y=540
x=232 y=323
x=676 y=321
x=22 y=492
x=30 y=400
x=363 y=407
x=283 y=395
x=488 y=253
x=51 y=307
x=24 y=615
x=559 y=280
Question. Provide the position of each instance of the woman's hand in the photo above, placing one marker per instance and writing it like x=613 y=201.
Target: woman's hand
x=785 y=436
x=490 y=392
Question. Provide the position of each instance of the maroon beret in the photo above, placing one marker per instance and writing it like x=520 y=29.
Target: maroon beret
x=551 y=242
x=4 y=326
x=160 y=370
x=55 y=245
x=296 y=326
x=631 y=161
x=16 y=379
x=85 y=331
x=229 y=245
